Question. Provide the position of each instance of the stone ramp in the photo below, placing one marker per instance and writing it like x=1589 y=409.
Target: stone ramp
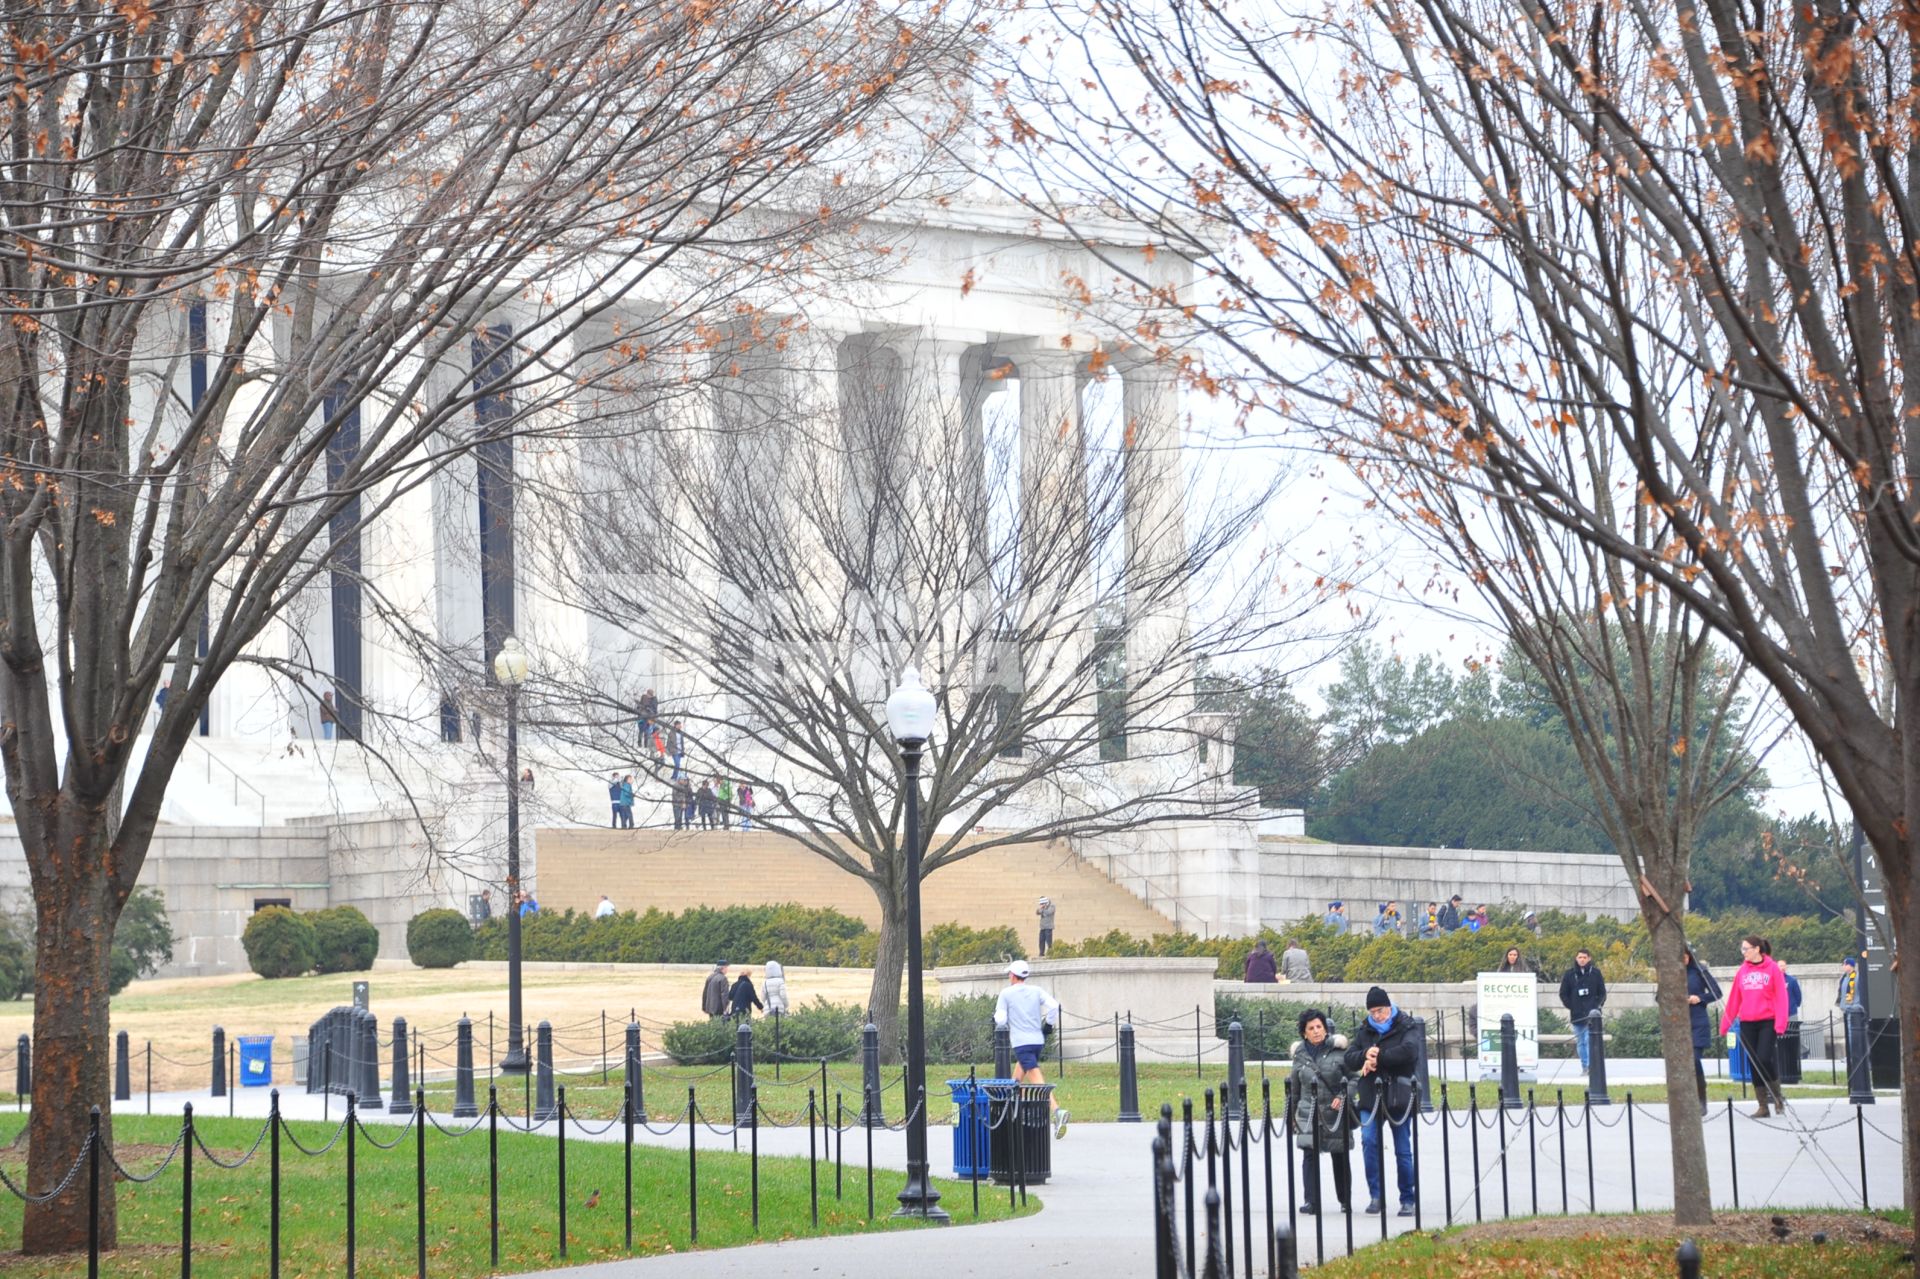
x=675 y=870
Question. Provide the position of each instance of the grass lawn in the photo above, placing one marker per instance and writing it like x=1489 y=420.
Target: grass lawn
x=1090 y=1089
x=230 y=1209
x=1857 y=1246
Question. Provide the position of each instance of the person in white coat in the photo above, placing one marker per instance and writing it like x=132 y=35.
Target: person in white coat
x=776 y=988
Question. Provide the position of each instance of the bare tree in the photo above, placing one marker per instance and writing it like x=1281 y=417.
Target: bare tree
x=1489 y=234
x=271 y=268
x=841 y=519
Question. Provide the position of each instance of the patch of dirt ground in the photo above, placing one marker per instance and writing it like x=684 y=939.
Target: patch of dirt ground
x=1727 y=1227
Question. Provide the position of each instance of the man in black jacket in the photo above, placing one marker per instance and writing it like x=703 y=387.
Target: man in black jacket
x=1450 y=915
x=1582 y=991
x=1384 y=1054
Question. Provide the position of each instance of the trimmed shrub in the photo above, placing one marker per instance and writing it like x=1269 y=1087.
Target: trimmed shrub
x=819 y=1029
x=953 y=945
x=344 y=942
x=439 y=939
x=278 y=942
x=699 y=1043
x=1270 y=1026
x=960 y=1030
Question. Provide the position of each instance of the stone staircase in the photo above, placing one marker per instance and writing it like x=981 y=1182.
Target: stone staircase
x=675 y=870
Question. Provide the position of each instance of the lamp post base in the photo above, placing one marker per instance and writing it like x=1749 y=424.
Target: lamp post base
x=515 y=1062
x=919 y=1200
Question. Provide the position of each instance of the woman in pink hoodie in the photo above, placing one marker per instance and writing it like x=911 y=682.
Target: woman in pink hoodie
x=1757 y=1000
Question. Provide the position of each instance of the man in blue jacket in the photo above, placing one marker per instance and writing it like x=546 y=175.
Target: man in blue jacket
x=1384 y=1054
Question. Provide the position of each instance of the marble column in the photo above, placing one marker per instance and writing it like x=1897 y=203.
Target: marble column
x=1056 y=551
x=1159 y=660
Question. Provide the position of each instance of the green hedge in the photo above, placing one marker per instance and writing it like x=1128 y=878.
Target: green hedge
x=802 y=936
x=958 y=1030
x=1621 y=948
x=343 y=940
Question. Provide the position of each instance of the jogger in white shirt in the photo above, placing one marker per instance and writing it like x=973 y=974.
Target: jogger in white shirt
x=1026 y=1011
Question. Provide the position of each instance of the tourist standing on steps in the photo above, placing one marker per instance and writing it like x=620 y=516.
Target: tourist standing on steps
x=1319 y=1088
x=648 y=714
x=613 y=799
x=1026 y=1011
x=1384 y=1054
x=1336 y=917
x=1583 y=990
x=1045 y=911
x=1260 y=967
x=746 y=808
x=626 y=802
x=723 y=794
x=709 y=805
x=682 y=803
x=1450 y=915
x=677 y=743
x=1757 y=1003
x=713 y=995
x=1702 y=993
x=328 y=716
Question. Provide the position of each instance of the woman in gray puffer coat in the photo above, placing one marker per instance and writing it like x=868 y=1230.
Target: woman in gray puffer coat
x=1319 y=1084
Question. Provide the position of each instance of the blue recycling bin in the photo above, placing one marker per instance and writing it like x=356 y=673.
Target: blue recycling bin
x=1737 y=1068
x=970 y=1128
x=256 y=1061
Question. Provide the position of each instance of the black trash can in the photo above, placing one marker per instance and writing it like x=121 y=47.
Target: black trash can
x=1883 y=1051
x=1021 y=1139
x=1786 y=1054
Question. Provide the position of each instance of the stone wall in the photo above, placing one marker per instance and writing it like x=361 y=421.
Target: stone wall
x=1299 y=877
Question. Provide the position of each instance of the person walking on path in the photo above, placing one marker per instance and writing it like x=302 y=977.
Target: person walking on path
x=1384 y=1054
x=1294 y=965
x=713 y=995
x=776 y=987
x=1702 y=993
x=1757 y=1003
x=1260 y=965
x=709 y=804
x=1026 y=1011
x=742 y=996
x=1582 y=990
x=1319 y=1087
x=1045 y=911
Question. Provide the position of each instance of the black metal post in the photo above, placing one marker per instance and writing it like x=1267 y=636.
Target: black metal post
x=917 y=1198
x=1733 y=1155
x=1236 y=1083
x=1596 y=1061
x=1560 y=1113
x=1446 y=1147
x=1633 y=1157
x=636 y=1101
x=1186 y=1170
x=186 y=1190
x=743 y=1086
x=1002 y=1052
x=560 y=1155
x=543 y=1104
x=515 y=1061
x=219 y=1062
x=626 y=1163
x=420 y=1180
x=493 y=1170
x=93 y=1193
x=1860 y=1131
x=1473 y=1131
x=1687 y=1260
x=813 y=1162
x=350 y=1123
x=1129 y=1077
x=1859 y=1076
x=1423 y=1074
x=122 y=1068
x=367 y=1057
x=693 y=1169
x=463 y=1103
x=871 y=1107
x=1509 y=1064
x=273 y=1182
x=402 y=1102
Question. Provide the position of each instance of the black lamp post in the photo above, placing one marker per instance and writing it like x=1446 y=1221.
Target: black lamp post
x=510 y=669
x=910 y=716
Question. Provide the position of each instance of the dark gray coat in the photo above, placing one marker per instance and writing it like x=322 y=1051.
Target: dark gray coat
x=1317 y=1079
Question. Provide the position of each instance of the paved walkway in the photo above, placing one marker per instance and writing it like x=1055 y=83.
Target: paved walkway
x=1098 y=1218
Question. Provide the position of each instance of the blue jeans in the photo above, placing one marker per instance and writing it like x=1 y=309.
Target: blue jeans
x=1402 y=1159
x=1580 y=1029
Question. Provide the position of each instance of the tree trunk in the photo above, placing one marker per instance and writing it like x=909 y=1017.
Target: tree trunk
x=1692 y=1194
x=889 y=969
x=75 y=909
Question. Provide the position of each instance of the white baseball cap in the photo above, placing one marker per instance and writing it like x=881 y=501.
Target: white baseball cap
x=1019 y=968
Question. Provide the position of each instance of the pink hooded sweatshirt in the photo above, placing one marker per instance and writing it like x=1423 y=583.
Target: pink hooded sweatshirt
x=1758 y=992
